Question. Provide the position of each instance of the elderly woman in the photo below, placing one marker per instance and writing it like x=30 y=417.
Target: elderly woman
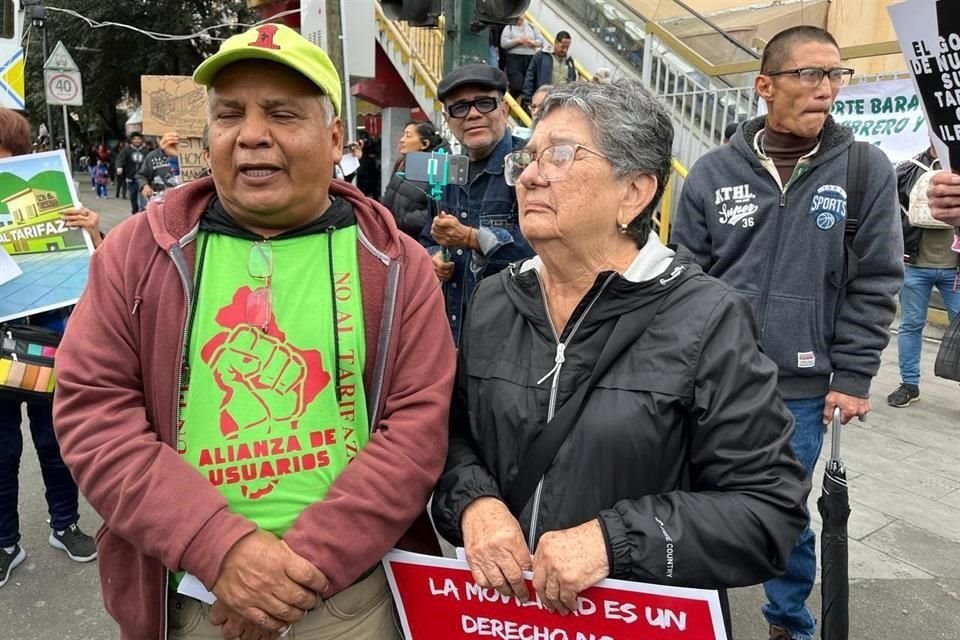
x=679 y=469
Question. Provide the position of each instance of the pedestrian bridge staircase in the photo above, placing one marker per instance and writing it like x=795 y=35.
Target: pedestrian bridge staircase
x=616 y=36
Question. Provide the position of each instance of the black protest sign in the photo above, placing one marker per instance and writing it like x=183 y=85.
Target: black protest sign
x=937 y=74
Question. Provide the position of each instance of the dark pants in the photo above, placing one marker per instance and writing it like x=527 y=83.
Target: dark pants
x=121 y=187
x=61 y=490
x=133 y=191
x=516 y=72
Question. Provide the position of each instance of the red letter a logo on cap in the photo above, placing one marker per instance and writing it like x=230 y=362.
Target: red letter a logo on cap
x=265 y=39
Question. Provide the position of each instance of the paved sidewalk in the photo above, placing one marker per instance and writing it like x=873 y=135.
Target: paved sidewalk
x=903 y=469
x=904 y=476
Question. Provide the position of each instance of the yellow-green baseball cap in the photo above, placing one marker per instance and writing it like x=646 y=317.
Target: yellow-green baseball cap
x=280 y=44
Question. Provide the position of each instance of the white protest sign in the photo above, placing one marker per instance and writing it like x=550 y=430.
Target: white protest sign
x=887 y=114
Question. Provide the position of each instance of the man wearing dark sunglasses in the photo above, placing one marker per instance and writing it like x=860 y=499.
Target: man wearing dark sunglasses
x=476 y=233
x=768 y=214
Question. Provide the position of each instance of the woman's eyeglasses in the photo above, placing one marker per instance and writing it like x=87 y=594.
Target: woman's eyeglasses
x=553 y=163
x=483 y=105
x=259 y=307
x=813 y=76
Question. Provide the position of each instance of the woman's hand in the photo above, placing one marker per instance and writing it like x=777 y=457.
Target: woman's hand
x=83 y=218
x=567 y=562
x=495 y=549
x=233 y=625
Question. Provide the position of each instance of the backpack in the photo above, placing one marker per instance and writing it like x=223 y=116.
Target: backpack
x=919 y=211
x=856 y=189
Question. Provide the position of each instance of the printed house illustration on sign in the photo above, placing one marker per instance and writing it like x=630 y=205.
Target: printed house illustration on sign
x=37 y=226
x=170 y=108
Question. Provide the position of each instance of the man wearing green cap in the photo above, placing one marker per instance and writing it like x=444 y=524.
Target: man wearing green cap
x=266 y=413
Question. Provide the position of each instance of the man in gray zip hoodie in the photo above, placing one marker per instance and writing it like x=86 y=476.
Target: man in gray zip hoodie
x=767 y=214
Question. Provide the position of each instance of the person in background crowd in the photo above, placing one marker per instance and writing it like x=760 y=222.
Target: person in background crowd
x=158 y=170
x=766 y=214
x=538 y=98
x=92 y=158
x=121 y=182
x=476 y=233
x=930 y=263
x=409 y=200
x=495 y=55
x=368 y=173
x=61 y=491
x=728 y=131
x=101 y=177
x=520 y=42
x=554 y=67
x=128 y=165
x=268 y=302
x=683 y=445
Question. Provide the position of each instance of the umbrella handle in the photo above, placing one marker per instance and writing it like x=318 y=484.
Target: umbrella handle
x=835 y=435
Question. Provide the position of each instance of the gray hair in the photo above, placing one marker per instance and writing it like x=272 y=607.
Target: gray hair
x=630 y=126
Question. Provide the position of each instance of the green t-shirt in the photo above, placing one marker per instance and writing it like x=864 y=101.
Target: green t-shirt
x=260 y=419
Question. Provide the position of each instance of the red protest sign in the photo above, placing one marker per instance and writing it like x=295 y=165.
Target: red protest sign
x=437 y=598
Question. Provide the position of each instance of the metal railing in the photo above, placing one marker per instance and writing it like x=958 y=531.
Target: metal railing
x=423 y=54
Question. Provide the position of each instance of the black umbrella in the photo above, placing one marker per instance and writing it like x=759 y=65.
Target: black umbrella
x=834 y=508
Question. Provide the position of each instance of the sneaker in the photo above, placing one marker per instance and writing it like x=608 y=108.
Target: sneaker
x=904 y=395
x=778 y=633
x=9 y=561
x=79 y=546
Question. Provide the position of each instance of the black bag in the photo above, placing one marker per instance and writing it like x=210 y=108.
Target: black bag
x=545 y=446
x=947 y=364
x=26 y=361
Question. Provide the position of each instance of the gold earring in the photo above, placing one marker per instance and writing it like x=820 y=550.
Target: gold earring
x=623 y=228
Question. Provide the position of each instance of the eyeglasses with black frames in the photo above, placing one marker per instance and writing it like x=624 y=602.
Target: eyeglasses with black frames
x=813 y=76
x=485 y=104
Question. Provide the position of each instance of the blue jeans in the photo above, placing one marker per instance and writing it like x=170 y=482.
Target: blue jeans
x=61 y=490
x=918 y=284
x=787 y=595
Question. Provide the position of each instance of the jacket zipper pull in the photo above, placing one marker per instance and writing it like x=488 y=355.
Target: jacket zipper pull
x=136 y=305
x=558 y=360
x=783 y=198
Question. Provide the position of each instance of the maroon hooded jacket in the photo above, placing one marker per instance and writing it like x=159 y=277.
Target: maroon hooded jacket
x=115 y=413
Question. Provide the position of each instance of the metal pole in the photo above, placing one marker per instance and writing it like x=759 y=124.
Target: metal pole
x=646 y=73
x=50 y=127
x=66 y=136
x=348 y=98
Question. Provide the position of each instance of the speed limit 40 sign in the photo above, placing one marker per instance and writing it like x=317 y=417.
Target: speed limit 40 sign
x=63 y=87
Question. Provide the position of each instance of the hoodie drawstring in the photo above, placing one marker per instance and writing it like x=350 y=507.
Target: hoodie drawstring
x=336 y=327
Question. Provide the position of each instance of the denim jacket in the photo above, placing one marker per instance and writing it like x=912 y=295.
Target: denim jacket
x=490 y=206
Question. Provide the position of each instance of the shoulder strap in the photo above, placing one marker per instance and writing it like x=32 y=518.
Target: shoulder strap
x=544 y=448
x=857 y=165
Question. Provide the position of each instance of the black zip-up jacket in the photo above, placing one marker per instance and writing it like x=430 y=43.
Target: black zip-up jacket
x=409 y=203
x=683 y=448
